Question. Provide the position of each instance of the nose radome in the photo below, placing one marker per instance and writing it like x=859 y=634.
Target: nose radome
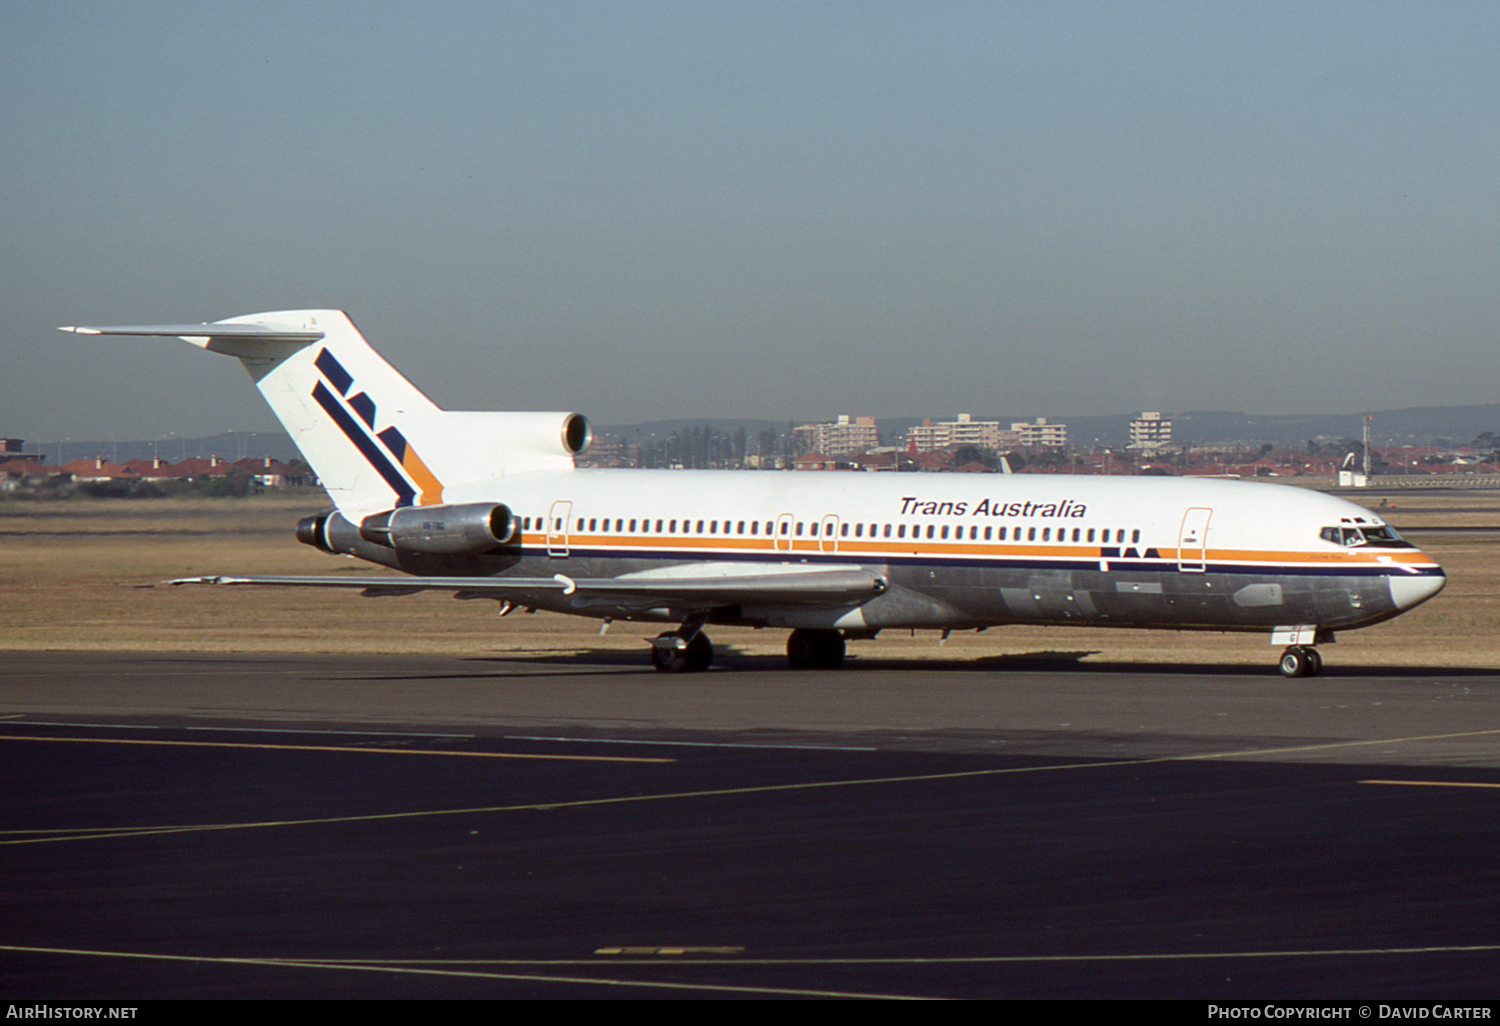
x=1408 y=591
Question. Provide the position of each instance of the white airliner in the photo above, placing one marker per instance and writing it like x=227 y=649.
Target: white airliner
x=489 y=505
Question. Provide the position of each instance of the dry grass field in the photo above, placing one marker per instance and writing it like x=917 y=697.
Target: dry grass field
x=89 y=574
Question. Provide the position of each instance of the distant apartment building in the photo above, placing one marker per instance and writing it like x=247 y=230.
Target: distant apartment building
x=842 y=436
x=15 y=449
x=1150 y=431
x=927 y=436
x=608 y=452
x=1038 y=434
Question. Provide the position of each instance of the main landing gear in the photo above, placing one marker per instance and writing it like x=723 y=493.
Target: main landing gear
x=688 y=650
x=1300 y=661
x=685 y=650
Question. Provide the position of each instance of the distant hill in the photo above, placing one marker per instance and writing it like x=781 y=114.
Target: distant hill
x=1414 y=426
x=231 y=445
x=659 y=429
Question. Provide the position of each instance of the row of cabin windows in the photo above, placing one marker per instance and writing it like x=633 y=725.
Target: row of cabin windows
x=939 y=532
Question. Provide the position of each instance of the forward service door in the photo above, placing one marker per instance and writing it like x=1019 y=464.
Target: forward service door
x=557 y=529
x=1192 y=540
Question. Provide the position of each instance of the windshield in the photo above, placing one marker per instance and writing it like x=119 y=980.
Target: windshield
x=1383 y=536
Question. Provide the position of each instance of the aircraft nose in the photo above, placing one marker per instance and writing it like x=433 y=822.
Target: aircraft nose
x=1408 y=590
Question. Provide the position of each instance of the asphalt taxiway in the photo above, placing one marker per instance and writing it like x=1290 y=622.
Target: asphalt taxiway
x=580 y=826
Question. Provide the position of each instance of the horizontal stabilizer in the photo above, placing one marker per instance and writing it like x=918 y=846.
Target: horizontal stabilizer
x=245 y=340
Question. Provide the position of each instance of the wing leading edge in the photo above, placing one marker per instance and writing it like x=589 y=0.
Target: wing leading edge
x=832 y=586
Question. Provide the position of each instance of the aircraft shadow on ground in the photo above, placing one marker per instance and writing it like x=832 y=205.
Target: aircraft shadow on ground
x=728 y=657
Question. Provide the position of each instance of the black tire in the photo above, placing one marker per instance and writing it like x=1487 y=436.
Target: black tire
x=700 y=653
x=695 y=657
x=1294 y=662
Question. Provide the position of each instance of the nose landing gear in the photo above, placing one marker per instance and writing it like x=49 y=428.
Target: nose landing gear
x=1300 y=661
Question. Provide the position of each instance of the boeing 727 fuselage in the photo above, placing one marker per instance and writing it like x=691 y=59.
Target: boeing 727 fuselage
x=490 y=505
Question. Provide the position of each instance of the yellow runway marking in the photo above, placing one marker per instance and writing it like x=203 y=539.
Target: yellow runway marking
x=382 y=967
x=335 y=748
x=1153 y=956
x=450 y=967
x=112 y=832
x=1430 y=783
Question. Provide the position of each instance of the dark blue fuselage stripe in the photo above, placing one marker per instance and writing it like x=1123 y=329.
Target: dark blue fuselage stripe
x=937 y=560
x=405 y=493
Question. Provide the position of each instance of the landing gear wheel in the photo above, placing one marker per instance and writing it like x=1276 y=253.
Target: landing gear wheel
x=676 y=657
x=1297 y=661
x=815 y=649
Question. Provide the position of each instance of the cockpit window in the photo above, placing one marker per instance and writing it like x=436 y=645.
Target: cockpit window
x=1383 y=537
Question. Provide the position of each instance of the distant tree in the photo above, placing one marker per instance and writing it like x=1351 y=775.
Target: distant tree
x=976 y=454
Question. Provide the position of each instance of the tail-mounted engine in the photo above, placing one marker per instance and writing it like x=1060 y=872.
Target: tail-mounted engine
x=462 y=530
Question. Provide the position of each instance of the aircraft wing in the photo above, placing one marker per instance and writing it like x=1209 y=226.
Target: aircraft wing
x=825 y=586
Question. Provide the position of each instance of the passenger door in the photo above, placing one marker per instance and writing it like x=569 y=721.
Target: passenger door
x=1192 y=540
x=557 y=529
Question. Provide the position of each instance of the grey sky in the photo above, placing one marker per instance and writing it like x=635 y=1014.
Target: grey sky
x=651 y=210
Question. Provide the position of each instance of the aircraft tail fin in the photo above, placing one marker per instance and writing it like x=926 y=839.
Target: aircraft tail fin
x=373 y=438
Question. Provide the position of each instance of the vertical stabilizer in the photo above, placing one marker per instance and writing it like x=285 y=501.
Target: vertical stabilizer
x=374 y=440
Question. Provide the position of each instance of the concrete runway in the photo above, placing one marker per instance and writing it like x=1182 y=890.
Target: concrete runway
x=356 y=826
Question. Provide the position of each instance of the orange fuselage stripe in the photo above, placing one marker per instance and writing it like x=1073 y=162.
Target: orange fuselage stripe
x=863 y=547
